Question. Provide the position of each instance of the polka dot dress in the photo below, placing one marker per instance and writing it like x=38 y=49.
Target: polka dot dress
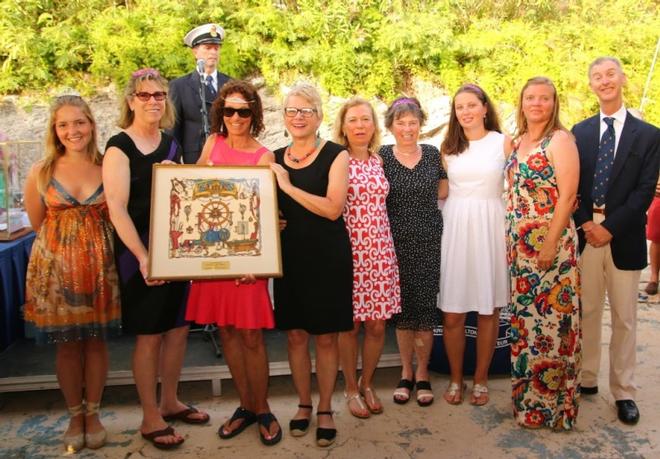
x=416 y=223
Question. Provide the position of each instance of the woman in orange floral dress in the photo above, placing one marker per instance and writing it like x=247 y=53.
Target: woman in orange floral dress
x=543 y=172
x=72 y=287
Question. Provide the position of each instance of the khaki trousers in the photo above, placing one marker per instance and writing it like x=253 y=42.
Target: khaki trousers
x=598 y=275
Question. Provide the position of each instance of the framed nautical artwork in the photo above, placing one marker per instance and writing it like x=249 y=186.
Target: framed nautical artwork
x=211 y=222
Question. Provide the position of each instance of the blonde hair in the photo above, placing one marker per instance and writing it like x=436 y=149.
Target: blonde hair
x=553 y=123
x=338 y=128
x=309 y=93
x=54 y=149
x=126 y=115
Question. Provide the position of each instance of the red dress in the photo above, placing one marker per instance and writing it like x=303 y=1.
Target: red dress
x=653 y=223
x=221 y=301
x=376 y=292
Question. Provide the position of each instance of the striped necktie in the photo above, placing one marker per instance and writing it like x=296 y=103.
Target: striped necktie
x=604 y=163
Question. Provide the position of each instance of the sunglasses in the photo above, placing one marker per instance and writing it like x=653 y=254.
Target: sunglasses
x=145 y=96
x=242 y=112
x=291 y=112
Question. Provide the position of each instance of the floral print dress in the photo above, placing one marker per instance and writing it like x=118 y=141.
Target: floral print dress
x=545 y=314
x=72 y=288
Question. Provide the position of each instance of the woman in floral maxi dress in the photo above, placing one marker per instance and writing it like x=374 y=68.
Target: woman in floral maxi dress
x=542 y=173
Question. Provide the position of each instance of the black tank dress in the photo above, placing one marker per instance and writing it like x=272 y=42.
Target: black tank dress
x=316 y=291
x=145 y=310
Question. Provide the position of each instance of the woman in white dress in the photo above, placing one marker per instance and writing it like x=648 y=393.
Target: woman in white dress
x=473 y=268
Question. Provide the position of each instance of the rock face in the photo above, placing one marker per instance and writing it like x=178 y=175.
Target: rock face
x=29 y=123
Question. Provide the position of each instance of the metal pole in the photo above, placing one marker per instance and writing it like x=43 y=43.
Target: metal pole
x=648 y=79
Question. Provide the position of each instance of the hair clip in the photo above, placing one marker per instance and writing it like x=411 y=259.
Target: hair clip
x=472 y=86
x=147 y=71
x=405 y=100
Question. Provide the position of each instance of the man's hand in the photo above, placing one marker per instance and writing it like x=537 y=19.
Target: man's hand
x=597 y=235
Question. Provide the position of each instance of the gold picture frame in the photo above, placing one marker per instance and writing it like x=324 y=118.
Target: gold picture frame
x=213 y=222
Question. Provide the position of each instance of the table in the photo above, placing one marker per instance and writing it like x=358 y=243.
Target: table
x=501 y=363
x=14 y=256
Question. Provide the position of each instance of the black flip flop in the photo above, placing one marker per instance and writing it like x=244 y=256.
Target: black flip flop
x=185 y=416
x=167 y=431
x=248 y=418
x=265 y=420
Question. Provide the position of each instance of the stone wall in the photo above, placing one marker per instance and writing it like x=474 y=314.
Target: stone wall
x=21 y=122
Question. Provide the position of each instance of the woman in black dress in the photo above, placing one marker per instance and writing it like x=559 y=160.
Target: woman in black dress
x=152 y=310
x=315 y=295
x=417 y=180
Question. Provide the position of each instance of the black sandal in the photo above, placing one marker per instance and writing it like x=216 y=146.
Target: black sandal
x=299 y=427
x=398 y=394
x=426 y=399
x=325 y=436
x=265 y=420
x=248 y=418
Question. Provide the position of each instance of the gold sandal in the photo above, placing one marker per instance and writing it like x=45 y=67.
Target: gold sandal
x=97 y=439
x=479 y=395
x=357 y=398
x=374 y=404
x=74 y=442
x=452 y=391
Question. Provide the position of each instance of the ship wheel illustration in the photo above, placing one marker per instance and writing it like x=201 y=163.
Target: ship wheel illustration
x=215 y=214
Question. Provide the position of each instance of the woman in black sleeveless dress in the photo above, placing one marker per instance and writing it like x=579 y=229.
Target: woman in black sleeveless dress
x=152 y=310
x=315 y=295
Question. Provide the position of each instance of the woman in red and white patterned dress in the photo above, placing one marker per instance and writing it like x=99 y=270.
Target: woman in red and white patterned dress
x=376 y=293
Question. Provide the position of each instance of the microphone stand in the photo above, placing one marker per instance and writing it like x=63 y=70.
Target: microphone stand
x=205 y=118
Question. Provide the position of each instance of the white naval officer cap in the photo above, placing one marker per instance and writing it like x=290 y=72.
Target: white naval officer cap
x=207 y=33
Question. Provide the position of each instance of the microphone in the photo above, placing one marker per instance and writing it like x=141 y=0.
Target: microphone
x=201 y=64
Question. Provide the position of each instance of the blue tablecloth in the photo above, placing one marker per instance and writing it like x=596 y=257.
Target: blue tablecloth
x=501 y=363
x=14 y=256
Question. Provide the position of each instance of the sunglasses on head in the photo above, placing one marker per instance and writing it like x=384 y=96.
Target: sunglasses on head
x=145 y=96
x=242 y=112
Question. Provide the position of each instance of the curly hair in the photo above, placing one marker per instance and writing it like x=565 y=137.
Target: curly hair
x=251 y=96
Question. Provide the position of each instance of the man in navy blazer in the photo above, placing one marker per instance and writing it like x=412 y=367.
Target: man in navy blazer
x=204 y=42
x=612 y=240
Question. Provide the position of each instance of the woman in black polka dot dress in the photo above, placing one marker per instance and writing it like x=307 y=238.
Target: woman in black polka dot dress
x=417 y=179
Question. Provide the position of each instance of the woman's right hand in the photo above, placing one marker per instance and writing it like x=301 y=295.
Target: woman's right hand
x=144 y=269
x=282 y=221
x=282 y=176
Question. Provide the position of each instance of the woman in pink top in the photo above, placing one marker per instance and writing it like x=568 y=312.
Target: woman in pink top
x=240 y=307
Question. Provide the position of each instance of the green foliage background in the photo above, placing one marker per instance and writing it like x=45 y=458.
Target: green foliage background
x=374 y=48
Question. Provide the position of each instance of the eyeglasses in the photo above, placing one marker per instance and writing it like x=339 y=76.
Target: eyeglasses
x=242 y=112
x=291 y=112
x=145 y=96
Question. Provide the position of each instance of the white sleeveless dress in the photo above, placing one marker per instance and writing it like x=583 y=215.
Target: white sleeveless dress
x=473 y=268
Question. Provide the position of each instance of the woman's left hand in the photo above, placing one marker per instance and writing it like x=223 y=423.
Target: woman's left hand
x=167 y=161
x=546 y=256
x=247 y=279
x=282 y=176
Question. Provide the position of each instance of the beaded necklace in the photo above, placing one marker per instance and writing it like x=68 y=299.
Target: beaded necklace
x=304 y=157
